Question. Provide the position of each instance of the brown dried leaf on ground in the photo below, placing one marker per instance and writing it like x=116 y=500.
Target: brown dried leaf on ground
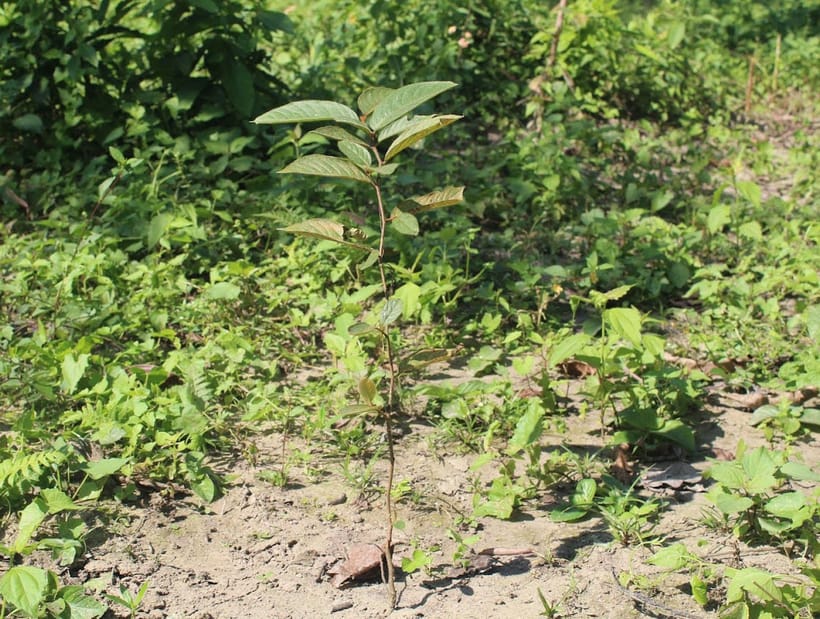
x=576 y=369
x=675 y=476
x=364 y=562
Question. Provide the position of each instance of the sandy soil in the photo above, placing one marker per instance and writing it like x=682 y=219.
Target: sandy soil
x=265 y=552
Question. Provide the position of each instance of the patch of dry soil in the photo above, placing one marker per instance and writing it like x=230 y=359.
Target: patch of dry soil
x=264 y=552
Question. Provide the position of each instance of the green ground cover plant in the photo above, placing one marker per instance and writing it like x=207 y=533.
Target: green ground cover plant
x=638 y=235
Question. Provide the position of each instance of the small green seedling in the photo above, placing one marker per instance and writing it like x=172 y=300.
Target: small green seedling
x=367 y=142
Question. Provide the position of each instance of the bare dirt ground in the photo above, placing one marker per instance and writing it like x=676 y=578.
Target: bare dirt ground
x=265 y=552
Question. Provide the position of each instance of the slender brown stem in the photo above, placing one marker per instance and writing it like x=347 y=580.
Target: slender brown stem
x=559 y=25
x=388 y=411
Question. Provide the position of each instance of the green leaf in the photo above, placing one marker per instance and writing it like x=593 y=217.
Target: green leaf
x=404 y=223
x=761 y=414
x=678 y=432
x=361 y=328
x=418 y=131
x=626 y=322
x=325 y=165
x=157 y=228
x=357 y=153
x=700 y=590
x=25 y=588
x=324 y=229
x=337 y=133
x=786 y=505
x=367 y=390
x=57 y=501
x=751 y=230
x=31 y=518
x=419 y=560
x=81 y=606
x=73 y=370
x=311 y=110
x=29 y=122
x=437 y=199
x=222 y=291
x=399 y=102
x=750 y=191
x=729 y=503
x=386 y=169
x=410 y=295
x=528 y=430
x=100 y=469
x=584 y=493
x=204 y=488
x=672 y=557
x=371 y=97
x=799 y=472
x=719 y=216
x=238 y=84
x=568 y=514
x=760 y=468
x=355 y=410
x=391 y=311
x=568 y=347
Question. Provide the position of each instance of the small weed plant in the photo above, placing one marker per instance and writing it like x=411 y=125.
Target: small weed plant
x=367 y=143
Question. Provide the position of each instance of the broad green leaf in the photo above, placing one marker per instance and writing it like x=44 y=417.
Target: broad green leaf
x=157 y=228
x=24 y=587
x=100 y=469
x=204 y=488
x=418 y=131
x=761 y=414
x=357 y=153
x=403 y=100
x=324 y=229
x=750 y=191
x=29 y=122
x=719 y=216
x=404 y=223
x=57 y=501
x=738 y=609
x=700 y=590
x=760 y=583
x=568 y=347
x=31 y=518
x=677 y=32
x=626 y=322
x=367 y=390
x=222 y=291
x=584 y=493
x=528 y=430
x=751 y=230
x=786 y=505
x=399 y=126
x=419 y=560
x=81 y=605
x=391 y=311
x=325 y=165
x=361 y=328
x=311 y=110
x=420 y=359
x=410 y=295
x=73 y=370
x=371 y=97
x=672 y=557
x=678 y=432
x=238 y=84
x=727 y=473
x=337 y=133
x=386 y=169
x=437 y=199
x=799 y=472
x=729 y=503
x=760 y=469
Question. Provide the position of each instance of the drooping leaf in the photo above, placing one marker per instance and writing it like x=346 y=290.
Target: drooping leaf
x=567 y=348
x=324 y=229
x=157 y=228
x=361 y=328
x=367 y=390
x=678 y=432
x=24 y=587
x=418 y=131
x=355 y=410
x=310 y=110
x=404 y=100
x=31 y=518
x=399 y=126
x=404 y=223
x=438 y=199
x=371 y=97
x=337 y=133
x=325 y=165
x=357 y=153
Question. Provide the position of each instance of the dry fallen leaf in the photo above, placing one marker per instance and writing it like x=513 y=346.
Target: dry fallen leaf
x=576 y=369
x=621 y=469
x=364 y=562
x=676 y=476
